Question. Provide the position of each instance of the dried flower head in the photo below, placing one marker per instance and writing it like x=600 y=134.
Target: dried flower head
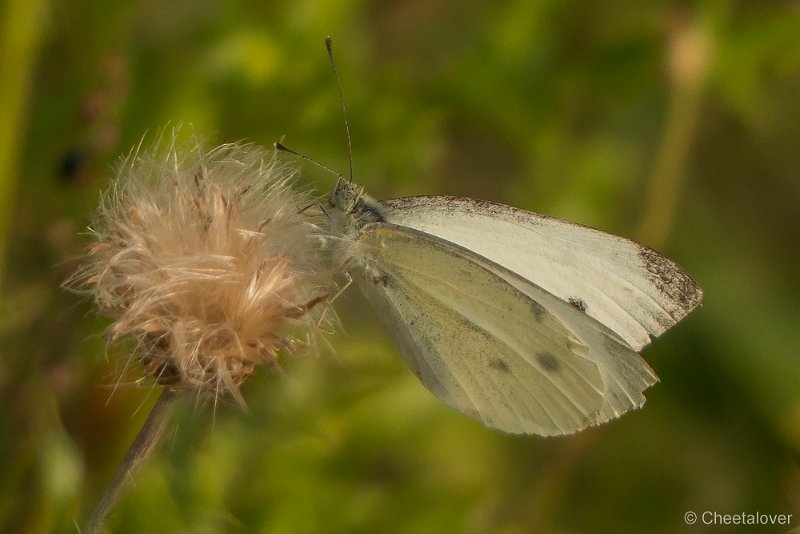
x=208 y=260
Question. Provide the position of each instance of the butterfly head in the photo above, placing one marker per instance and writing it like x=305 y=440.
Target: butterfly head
x=353 y=207
x=345 y=195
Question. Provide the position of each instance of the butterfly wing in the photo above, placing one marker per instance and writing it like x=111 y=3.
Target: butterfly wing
x=492 y=344
x=633 y=290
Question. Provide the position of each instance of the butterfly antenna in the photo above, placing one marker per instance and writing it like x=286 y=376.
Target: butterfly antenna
x=283 y=148
x=329 y=46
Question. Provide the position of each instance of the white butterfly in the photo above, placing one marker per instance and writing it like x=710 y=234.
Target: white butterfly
x=528 y=323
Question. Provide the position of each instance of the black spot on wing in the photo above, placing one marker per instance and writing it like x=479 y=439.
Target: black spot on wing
x=538 y=311
x=548 y=361
x=579 y=303
x=500 y=365
x=381 y=280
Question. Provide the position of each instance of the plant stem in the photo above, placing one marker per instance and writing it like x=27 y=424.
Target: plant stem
x=21 y=25
x=144 y=444
x=691 y=45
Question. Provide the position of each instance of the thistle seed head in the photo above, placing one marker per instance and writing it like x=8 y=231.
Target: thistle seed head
x=209 y=261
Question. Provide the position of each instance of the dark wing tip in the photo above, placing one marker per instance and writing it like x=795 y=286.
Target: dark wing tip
x=672 y=281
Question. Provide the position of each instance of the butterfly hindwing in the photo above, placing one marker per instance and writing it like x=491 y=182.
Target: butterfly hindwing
x=480 y=344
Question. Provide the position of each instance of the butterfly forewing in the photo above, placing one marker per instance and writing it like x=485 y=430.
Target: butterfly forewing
x=633 y=290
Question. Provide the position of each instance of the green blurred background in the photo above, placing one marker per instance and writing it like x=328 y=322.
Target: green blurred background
x=674 y=123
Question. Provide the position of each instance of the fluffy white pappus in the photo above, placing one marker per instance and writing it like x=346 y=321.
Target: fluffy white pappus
x=210 y=261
